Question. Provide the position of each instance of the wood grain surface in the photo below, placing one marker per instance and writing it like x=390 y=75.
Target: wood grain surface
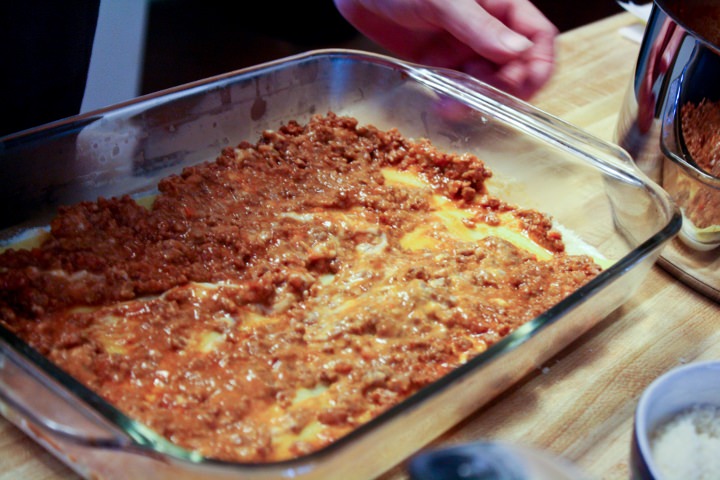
x=580 y=404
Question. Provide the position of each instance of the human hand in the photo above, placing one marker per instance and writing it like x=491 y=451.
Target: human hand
x=506 y=43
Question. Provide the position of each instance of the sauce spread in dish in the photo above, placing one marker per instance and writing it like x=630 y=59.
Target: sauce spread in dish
x=270 y=302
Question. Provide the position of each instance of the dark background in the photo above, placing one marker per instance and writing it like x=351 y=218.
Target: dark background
x=189 y=40
x=45 y=45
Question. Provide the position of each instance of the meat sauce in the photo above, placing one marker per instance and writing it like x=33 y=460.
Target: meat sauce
x=271 y=301
x=700 y=126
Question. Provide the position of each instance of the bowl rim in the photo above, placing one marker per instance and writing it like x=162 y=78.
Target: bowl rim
x=641 y=426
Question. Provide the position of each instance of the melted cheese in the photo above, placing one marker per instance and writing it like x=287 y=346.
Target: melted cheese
x=457 y=222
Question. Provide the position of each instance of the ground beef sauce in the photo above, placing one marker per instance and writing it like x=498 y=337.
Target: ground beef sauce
x=272 y=301
x=701 y=133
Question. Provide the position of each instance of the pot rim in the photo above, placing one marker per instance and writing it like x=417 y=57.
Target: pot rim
x=668 y=8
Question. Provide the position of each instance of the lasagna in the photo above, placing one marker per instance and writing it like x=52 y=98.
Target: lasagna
x=265 y=304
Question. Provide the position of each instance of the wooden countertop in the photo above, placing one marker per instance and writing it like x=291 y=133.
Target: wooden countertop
x=580 y=404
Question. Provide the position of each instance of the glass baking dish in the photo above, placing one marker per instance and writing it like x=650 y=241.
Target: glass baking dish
x=591 y=188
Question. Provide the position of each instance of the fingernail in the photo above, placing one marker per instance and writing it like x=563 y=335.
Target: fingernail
x=513 y=41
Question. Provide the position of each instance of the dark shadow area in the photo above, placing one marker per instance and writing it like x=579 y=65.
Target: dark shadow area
x=45 y=61
x=188 y=40
x=566 y=14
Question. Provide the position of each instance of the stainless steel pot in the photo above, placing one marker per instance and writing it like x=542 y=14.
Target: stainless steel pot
x=678 y=63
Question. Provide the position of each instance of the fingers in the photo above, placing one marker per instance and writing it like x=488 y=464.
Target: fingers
x=541 y=61
x=507 y=43
x=524 y=73
x=383 y=28
x=521 y=16
x=444 y=50
x=521 y=77
x=532 y=71
x=481 y=30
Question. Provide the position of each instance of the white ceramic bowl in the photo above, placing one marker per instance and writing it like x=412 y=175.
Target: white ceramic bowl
x=676 y=391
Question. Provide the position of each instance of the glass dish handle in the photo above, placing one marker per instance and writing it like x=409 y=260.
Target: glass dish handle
x=38 y=405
